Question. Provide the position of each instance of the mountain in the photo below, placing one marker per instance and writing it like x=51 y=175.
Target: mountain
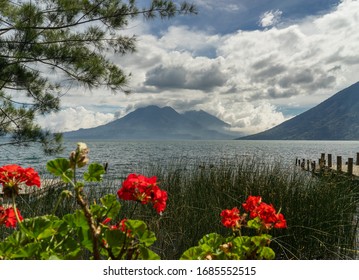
x=155 y=123
x=207 y=120
x=337 y=118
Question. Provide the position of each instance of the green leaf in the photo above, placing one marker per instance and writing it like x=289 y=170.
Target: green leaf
x=208 y=245
x=78 y=222
x=193 y=253
x=139 y=229
x=213 y=240
x=267 y=253
x=54 y=258
x=77 y=219
x=60 y=167
x=42 y=227
x=28 y=251
x=111 y=205
x=118 y=242
x=255 y=223
x=74 y=254
x=259 y=241
x=147 y=254
x=95 y=173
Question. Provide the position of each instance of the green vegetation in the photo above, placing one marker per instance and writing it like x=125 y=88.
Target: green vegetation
x=321 y=212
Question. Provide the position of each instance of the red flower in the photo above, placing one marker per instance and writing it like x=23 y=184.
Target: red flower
x=119 y=226
x=143 y=189
x=123 y=227
x=159 y=199
x=266 y=212
x=137 y=188
x=230 y=217
x=251 y=203
x=11 y=176
x=32 y=178
x=281 y=222
x=106 y=221
x=8 y=217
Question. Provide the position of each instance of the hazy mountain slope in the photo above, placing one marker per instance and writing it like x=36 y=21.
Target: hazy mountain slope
x=337 y=118
x=207 y=120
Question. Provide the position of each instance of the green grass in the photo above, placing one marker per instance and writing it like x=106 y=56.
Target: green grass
x=321 y=212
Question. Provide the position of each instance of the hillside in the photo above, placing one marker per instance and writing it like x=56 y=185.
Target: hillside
x=337 y=118
x=156 y=123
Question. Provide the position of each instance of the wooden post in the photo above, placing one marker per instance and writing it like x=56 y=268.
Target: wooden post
x=357 y=162
x=339 y=163
x=350 y=166
x=302 y=165
x=308 y=163
x=313 y=166
x=296 y=161
x=322 y=157
x=330 y=164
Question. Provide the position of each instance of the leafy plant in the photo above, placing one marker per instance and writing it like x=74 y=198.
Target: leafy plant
x=263 y=217
x=88 y=230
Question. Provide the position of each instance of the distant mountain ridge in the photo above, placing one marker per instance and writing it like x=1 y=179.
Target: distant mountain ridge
x=336 y=118
x=153 y=122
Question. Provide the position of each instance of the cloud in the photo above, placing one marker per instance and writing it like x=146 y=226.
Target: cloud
x=298 y=57
x=270 y=18
x=205 y=76
x=248 y=118
x=74 y=118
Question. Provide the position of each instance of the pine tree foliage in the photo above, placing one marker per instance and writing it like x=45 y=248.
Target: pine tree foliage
x=49 y=46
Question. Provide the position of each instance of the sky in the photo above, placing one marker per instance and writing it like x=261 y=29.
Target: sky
x=251 y=63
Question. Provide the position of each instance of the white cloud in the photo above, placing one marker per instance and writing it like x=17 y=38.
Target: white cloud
x=74 y=118
x=270 y=18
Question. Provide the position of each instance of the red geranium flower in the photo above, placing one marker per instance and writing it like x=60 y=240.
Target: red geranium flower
x=8 y=217
x=266 y=213
x=252 y=203
x=106 y=221
x=281 y=222
x=230 y=217
x=123 y=227
x=159 y=199
x=137 y=188
x=143 y=189
x=11 y=176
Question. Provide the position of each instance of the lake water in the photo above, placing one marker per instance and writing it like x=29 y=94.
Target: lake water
x=131 y=156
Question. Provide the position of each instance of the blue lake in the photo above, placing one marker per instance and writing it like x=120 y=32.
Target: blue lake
x=131 y=156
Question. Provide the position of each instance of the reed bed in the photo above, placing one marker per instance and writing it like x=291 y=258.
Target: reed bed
x=321 y=212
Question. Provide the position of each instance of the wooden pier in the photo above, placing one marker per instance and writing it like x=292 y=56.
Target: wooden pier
x=349 y=166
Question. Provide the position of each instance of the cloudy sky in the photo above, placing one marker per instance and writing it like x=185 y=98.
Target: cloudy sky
x=252 y=63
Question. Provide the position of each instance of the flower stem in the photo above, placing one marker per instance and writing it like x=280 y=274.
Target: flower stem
x=59 y=200
x=15 y=210
x=95 y=231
